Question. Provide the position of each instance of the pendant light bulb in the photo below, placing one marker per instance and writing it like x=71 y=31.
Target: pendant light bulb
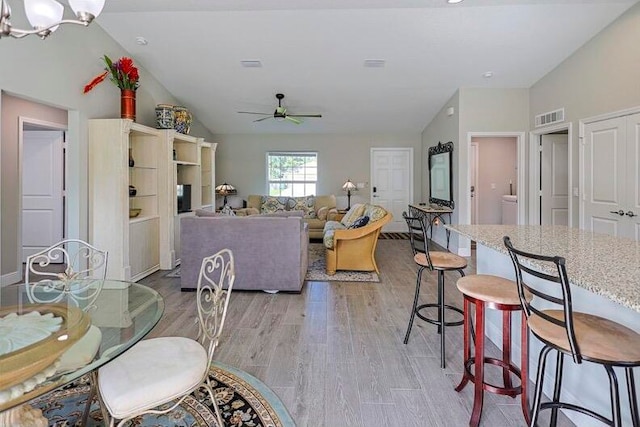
x=43 y=13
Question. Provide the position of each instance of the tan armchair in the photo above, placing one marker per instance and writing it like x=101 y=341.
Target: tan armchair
x=354 y=249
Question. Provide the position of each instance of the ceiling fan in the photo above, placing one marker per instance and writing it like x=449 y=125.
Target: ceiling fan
x=280 y=113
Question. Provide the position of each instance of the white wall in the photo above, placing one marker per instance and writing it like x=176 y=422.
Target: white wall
x=477 y=110
x=602 y=76
x=241 y=160
x=53 y=72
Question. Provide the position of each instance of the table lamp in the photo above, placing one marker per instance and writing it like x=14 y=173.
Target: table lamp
x=225 y=189
x=348 y=187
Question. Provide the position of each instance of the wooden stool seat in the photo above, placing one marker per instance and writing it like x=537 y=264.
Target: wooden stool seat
x=441 y=260
x=486 y=291
x=600 y=340
x=488 y=288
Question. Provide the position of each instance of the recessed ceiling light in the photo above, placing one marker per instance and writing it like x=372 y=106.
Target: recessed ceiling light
x=251 y=63
x=487 y=75
x=374 y=63
x=454 y=1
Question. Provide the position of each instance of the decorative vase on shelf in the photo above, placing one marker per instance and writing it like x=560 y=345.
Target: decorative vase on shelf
x=165 y=116
x=183 y=119
x=132 y=162
x=128 y=104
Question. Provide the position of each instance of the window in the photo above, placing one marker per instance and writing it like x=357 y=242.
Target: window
x=292 y=174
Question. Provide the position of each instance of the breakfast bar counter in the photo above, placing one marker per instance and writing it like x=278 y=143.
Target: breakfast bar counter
x=605 y=265
x=604 y=272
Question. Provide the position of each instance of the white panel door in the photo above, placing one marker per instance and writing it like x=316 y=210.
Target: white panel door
x=554 y=173
x=632 y=209
x=604 y=176
x=42 y=190
x=391 y=182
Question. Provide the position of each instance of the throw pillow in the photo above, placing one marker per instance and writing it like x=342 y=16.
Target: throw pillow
x=226 y=210
x=307 y=204
x=360 y=222
x=375 y=212
x=356 y=211
x=271 y=204
x=322 y=213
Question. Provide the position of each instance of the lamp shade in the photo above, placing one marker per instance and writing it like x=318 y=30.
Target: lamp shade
x=225 y=188
x=43 y=13
x=93 y=7
x=349 y=186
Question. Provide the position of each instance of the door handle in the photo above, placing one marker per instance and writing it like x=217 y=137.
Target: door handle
x=620 y=212
x=630 y=214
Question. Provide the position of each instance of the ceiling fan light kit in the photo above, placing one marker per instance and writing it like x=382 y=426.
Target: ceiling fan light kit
x=280 y=114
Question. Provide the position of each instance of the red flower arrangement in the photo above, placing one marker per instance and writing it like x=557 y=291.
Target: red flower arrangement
x=123 y=74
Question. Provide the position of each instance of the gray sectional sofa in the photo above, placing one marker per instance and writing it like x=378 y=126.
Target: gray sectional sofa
x=271 y=253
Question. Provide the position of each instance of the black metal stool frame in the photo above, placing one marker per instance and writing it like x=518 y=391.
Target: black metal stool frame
x=418 y=231
x=565 y=301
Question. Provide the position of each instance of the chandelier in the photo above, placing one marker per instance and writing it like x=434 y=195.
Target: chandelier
x=46 y=15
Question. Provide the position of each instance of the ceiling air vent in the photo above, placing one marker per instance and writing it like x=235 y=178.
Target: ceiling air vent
x=374 y=63
x=251 y=63
x=550 y=118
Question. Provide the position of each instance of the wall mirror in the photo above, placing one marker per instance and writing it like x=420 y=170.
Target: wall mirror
x=441 y=175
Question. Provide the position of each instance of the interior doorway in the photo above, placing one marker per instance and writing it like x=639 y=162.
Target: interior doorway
x=493 y=172
x=550 y=176
x=42 y=185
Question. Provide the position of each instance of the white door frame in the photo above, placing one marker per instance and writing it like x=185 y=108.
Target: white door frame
x=473 y=206
x=50 y=126
x=464 y=186
x=408 y=150
x=534 y=170
x=581 y=125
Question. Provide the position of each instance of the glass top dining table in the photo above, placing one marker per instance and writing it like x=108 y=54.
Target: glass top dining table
x=33 y=336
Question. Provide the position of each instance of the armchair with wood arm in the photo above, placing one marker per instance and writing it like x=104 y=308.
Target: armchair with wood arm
x=354 y=248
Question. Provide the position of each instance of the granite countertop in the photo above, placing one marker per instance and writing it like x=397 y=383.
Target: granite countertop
x=603 y=264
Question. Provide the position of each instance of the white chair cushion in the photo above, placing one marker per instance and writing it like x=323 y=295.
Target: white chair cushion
x=151 y=373
x=82 y=352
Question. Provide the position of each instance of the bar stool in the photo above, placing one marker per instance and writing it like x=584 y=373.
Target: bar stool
x=485 y=291
x=433 y=260
x=582 y=336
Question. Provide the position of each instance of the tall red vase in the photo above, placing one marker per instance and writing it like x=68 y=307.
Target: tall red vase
x=128 y=104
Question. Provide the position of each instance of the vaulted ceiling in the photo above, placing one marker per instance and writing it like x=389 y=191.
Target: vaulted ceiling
x=314 y=52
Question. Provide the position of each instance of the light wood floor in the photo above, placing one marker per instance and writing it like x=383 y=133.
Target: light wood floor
x=334 y=352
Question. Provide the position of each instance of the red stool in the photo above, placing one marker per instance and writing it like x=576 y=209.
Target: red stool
x=497 y=293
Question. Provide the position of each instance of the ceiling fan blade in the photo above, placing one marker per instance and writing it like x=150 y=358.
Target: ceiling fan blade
x=253 y=112
x=264 y=118
x=304 y=115
x=291 y=119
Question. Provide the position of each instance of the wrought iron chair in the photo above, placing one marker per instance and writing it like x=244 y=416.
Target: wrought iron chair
x=80 y=283
x=157 y=371
x=439 y=261
x=580 y=335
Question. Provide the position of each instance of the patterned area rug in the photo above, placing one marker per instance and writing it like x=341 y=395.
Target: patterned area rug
x=317 y=269
x=244 y=401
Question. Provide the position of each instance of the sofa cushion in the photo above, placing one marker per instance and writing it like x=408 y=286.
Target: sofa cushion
x=329 y=228
x=271 y=204
x=352 y=214
x=203 y=212
x=360 y=222
x=315 y=223
x=306 y=204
